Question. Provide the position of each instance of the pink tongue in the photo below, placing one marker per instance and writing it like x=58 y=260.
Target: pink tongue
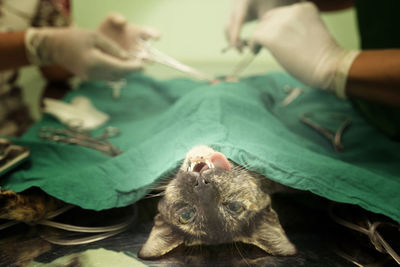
x=220 y=161
x=205 y=167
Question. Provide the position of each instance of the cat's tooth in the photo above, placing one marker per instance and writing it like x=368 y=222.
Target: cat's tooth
x=190 y=167
x=209 y=164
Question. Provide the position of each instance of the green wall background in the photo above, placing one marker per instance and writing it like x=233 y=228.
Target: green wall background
x=192 y=31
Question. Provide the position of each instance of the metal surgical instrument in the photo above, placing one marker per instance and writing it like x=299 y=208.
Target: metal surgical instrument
x=70 y=136
x=245 y=62
x=334 y=137
x=156 y=55
x=293 y=93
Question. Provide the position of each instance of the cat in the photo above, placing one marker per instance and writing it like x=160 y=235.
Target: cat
x=29 y=206
x=212 y=201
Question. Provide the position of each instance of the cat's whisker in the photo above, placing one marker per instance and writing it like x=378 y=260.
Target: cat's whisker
x=147 y=197
x=166 y=177
x=237 y=169
x=163 y=180
x=201 y=249
x=246 y=165
x=192 y=251
x=154 y=188
x=240 y=253
x=160 y=185
x=150 y=195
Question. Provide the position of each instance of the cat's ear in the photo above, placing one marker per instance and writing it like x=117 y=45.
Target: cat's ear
x=162 y=239
x=270 y=236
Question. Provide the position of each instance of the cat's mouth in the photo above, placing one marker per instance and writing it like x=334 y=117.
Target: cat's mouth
x=200 y=165
x=216 y=161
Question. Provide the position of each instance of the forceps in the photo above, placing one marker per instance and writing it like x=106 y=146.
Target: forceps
x=245 y=62
x=70 y=136
x=156 y=55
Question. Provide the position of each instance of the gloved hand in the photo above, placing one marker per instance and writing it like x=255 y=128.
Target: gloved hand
x=118 y=29
x=85 y=53
x=247 y=10
x=300 y=42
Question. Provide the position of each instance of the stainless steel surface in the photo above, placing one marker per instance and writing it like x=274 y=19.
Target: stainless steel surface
x=304 y=217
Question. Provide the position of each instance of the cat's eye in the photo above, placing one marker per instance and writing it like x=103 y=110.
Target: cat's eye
x=235 y=207
x=186 y=216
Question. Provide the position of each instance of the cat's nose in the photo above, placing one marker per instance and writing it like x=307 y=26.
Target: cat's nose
x=204 y=190
x=201 y=182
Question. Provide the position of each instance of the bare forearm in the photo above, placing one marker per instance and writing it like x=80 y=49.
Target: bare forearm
x=12 y=50
x=375 y=76
x=13 y=56
x=333 y=5
x=55 y=73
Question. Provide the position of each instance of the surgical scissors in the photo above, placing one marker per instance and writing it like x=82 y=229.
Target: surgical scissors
x=151 y=53
x=245 y=62
x=70 y=136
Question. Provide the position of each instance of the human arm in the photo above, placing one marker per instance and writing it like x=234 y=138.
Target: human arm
x=333 y=5
x=12 y=51
x=85 y=53
x=55 y=73
x=375 y=76
x=299 y=40
x=13 y=56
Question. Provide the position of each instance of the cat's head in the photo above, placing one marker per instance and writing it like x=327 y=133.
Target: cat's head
x=211 y=201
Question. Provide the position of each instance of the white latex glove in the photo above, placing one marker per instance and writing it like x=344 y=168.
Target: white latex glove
x=117 y=28
x=247 y=10
x=300 y=42
x=85 y=53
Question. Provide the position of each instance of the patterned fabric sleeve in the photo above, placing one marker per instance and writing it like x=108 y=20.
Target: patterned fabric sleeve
x=15 y=117
x=52 y=13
